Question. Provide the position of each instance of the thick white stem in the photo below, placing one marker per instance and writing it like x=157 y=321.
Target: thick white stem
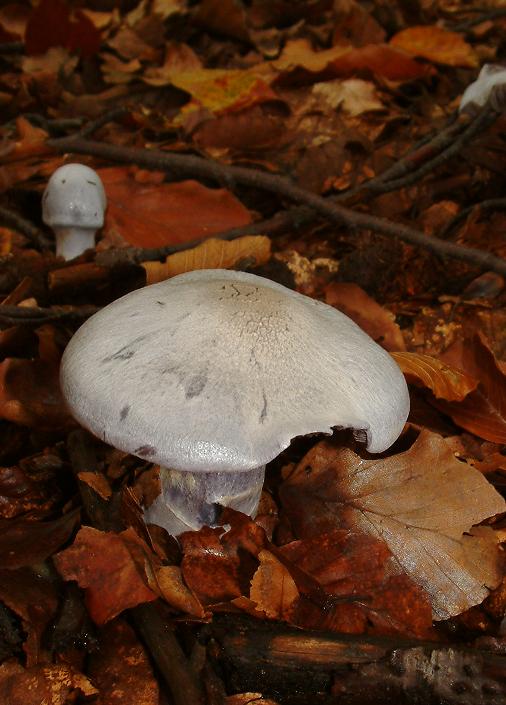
x=190 y=500
x=72 y=242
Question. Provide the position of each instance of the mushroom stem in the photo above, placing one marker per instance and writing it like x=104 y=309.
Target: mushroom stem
x=190 y=500
x=72 y=242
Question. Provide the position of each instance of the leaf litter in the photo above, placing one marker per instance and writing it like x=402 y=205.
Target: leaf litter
x=404 y=546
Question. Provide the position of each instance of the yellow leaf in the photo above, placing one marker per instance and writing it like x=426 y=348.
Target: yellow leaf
x=252 y=250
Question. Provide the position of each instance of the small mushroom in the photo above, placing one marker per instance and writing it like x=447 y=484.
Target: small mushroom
x=211 y=374
x=73 y=206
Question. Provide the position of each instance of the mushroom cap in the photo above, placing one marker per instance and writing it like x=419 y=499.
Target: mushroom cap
x=74 y=197
x=219 y=370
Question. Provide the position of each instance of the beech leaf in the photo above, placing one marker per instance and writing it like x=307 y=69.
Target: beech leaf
x=101 y=563
x=421 y=503
x=444 y=381
x=273 y=589
x=251 y=250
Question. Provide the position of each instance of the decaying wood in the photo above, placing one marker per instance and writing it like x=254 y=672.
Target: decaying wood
x=297 y=667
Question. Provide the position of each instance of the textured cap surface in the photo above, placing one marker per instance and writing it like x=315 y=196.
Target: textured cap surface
x=74 y=196
x=219 y=370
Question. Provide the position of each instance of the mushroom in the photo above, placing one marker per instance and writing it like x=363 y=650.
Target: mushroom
x=212 y=373
x=73 y=206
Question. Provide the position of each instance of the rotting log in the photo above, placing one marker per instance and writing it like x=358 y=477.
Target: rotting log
x=296 y=667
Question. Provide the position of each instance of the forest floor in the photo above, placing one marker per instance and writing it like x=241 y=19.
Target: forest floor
x=321 y=145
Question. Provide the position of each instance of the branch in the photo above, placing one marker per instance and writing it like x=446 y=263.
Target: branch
x=12 y=220
x=36 y=315
x=197 y=167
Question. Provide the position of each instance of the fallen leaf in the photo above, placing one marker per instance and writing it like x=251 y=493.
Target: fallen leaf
x=25 y=543
x=167 y=581
x=353 y=95
x=57 y=684
x=370 y=316
x=150 y=215
x=436 y=44
x=121 y=669
x=101 y=563
x=444 y=381
x=33 y=596
x=299 y=63
x=273 y=589
x=248 y=251
x=421 y=503
x=30 y=390
x=52 y=25
x=355 y=568
x=483 y=411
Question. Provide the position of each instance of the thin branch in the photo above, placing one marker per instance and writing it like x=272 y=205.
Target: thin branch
x=36 y=315
x=197 y=167
x=490 y=204
x=427 y=158
x=91 y=127
x=133 y=255
x=13 y=220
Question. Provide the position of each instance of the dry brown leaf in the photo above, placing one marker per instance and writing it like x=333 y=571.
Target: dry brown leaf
x=157 y=214
x=102 y=564
x=354 y=95
x=57 y=684
x=300 y=63
x=251 y=251
x=436 y=44
x=121 y=669
x=273 y=590
x=483 y=411
x=444 y=381
x=370 y=316
x=420 y=503
x=168 y=582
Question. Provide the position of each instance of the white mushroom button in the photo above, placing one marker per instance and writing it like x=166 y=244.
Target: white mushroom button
x=211 y=374
x=73 y=205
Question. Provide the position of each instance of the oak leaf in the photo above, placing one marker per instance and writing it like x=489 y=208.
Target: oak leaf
x=422 y=503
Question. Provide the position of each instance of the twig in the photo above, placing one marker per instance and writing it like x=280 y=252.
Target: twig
x=427 y=158
x=133 y=255
x=109 y=116
x=490 y=204
x=25 y=227
x=197 y=167
x=36 y=315
x=486 y=15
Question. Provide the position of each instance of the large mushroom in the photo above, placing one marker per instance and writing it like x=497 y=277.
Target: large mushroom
x=73 y=205
x=211 y=374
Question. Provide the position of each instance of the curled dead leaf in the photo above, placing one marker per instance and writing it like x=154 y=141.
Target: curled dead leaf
x=250 y=251
x=444 y=381
x=102 y=564
x=273 y=590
